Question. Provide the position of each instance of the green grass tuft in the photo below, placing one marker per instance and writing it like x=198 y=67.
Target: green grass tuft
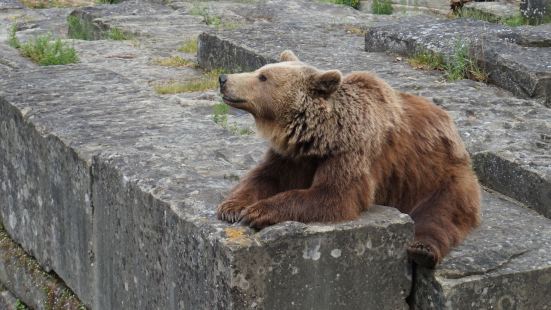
x=45 y=51
x=19 y=305
x=79 y=29
x=427 y=60
x=208 y=81
x=12 y=37
x=514 y=21
x=189 y=46
x=220 y=116
x=352 y=3
x=220 y=113
x=462 y=65
x=382 y=7
x=210 y=19
x=459 y=66
x=117 y=34
x=173 y=61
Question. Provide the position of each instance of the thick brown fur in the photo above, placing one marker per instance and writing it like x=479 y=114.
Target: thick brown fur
x=341 y=144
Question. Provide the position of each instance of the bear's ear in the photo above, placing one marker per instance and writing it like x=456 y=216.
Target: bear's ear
x=327 y=82
x=287 y=56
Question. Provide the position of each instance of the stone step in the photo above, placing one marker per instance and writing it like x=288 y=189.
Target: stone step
x=515 y=58
x=508 y=137
x=504 y=264
x=122 y=186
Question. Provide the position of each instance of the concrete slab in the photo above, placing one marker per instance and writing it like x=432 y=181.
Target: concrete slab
x=504 y=264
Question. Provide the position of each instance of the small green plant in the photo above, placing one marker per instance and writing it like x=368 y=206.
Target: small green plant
x=189 y=46
x=108 y=1
x=173 y=61
x=514 y=21
x=208 y=81
x=117 y=34
x=220 y=116
x=12 y=37
x=46 y=51
x=381 y=7
x=19 y=305
x=461 y=65
x=210 y=19
x=427 y=60
x=79 y=29
x=352 y=3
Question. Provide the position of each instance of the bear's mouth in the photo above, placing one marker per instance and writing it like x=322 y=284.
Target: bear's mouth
x=232 y=101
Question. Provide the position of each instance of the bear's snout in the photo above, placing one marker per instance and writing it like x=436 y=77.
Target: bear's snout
x=222 y=79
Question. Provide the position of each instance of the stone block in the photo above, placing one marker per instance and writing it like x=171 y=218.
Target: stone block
x=158 y=172
x=45 y=201
x=520 y=68
x=504 y=264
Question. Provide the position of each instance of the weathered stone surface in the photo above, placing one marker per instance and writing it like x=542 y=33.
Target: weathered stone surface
x=45 y=188
x=495 y=10
x=536 y=10
x=155 y=183
x=524 y=70
x=22 y=275
x=7 y=300
x=504 y=264
x=10 y=4
x=490 y=120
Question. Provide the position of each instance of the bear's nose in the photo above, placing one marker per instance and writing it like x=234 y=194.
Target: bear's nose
x=222 y=79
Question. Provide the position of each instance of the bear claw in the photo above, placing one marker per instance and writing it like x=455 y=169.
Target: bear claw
x=422 y=255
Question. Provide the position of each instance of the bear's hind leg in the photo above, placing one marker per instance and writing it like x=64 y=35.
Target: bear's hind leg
x=444 y=219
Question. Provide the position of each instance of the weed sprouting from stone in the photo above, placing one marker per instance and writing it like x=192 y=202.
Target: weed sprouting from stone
x=46 y=51
x=189 y=46
x=220 y=116
x=458 y=66
x=12 y=37
x=427 y=60
x=514 y=21
x=211 y=19
x=174 y=61
x=382 y=7
x=79 y=29
x=19 y=305
x=461 y=65
x=117 y=34
x=208 y=81
x=352 y=3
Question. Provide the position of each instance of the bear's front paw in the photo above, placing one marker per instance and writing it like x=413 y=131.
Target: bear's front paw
x=230 y=210
x=423 y=254
x=260 y=215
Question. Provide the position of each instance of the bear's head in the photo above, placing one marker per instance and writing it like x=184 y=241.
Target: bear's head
x=271 y=91
x=282 y=97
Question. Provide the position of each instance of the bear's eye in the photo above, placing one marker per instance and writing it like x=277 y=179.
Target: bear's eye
x=262 y=78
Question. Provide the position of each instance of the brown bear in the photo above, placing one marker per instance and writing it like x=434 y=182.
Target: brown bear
x=340 y=144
